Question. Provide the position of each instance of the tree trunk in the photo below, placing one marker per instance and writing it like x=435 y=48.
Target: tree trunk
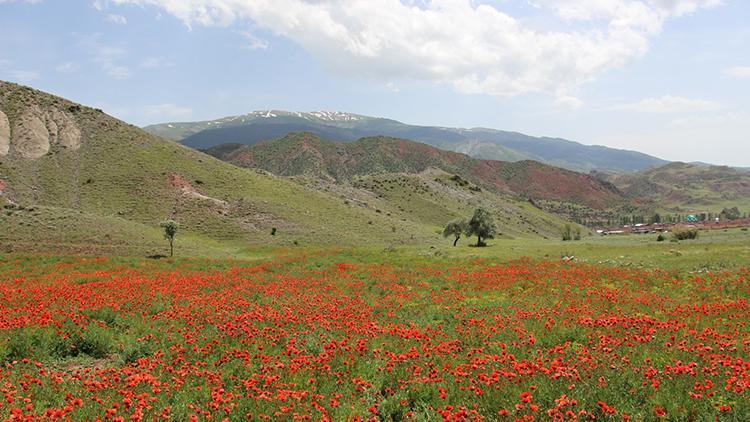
x=171 y=248
x=456 y=241
x=479 y=240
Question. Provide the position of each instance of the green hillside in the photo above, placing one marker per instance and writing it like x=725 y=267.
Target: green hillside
x=77 y=179
x=681 y=187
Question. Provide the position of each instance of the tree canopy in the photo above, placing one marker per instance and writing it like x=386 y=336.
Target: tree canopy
x=481 y=225
x=170 y=229
x=456 y=228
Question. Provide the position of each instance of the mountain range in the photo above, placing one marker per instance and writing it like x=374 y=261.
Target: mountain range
x=482 y=143
x=73 y=178
x=306 y=154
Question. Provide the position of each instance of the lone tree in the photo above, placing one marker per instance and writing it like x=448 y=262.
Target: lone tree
x=170 y=229
x=455 y=228
x=482 y=226
x=570 y=233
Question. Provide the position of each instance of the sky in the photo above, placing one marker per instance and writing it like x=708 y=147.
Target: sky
x=669 y=78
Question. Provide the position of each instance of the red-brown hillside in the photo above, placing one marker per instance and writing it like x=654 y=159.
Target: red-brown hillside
x=306 y=154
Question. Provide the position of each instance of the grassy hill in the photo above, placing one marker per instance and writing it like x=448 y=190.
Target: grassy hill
x=478 y=142
x=75 y=178
x=307 y=154
x=688 y=187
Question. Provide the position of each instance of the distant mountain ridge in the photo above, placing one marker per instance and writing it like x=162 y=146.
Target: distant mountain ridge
x=307 y=154
x=482 y=143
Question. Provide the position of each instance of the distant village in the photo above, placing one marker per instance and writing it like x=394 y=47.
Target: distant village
x=702 y=221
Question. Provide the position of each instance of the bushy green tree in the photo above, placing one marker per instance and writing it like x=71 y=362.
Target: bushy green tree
x=170 y=229
x=455 y=228
x=731 y=213
x=569 y=232
x=482 y=226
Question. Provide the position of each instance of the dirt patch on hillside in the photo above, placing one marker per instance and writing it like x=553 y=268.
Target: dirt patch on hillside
x=188 y=190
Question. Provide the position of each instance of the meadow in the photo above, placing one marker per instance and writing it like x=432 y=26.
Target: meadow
x=629 y=329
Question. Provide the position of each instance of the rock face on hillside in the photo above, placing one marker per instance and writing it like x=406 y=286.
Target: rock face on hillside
x=36 y=130
x=4 y=134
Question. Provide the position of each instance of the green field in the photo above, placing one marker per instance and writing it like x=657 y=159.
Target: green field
x=627 y=329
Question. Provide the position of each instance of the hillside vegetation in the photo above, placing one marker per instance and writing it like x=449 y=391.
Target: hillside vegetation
x=681 y=187
x=307 y=154
x=75 y=177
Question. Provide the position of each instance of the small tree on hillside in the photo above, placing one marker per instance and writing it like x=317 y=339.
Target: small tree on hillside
x=170 y=229
x=482 y=226
x=455 y=228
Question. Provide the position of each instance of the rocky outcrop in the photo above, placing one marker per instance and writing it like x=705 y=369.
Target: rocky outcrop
x=63 y=129
x=4 y=134
x=37 y=130
x=30 y=136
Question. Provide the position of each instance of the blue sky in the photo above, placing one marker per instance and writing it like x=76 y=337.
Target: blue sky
x=666 y=77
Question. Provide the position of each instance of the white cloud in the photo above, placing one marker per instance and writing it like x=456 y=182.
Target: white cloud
x=567 y=101
x=23 y=76
x=22 y=1
x=108 y=57
x=150 y=113
x=7 y=71
x=253 y=42
x=155 y=63
x=390 y=86
x=166 y=111
x=669 y=104
x=739 y=72
x=116 y=19
x=706 y=120
x=118 y=72
x=624 y=13
x=474 y=47
x=67 y=67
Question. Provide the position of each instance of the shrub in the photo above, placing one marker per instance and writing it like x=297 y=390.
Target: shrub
x=661 y=237
x=96 y=341
x=684 y=233
x=25 y=343
x=137 y=350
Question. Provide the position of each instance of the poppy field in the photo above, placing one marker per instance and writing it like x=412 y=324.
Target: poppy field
x=341 y=336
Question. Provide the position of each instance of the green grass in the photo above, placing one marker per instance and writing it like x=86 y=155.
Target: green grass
x=456 y=295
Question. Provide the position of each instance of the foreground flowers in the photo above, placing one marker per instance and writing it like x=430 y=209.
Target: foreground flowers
x=320 y=338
